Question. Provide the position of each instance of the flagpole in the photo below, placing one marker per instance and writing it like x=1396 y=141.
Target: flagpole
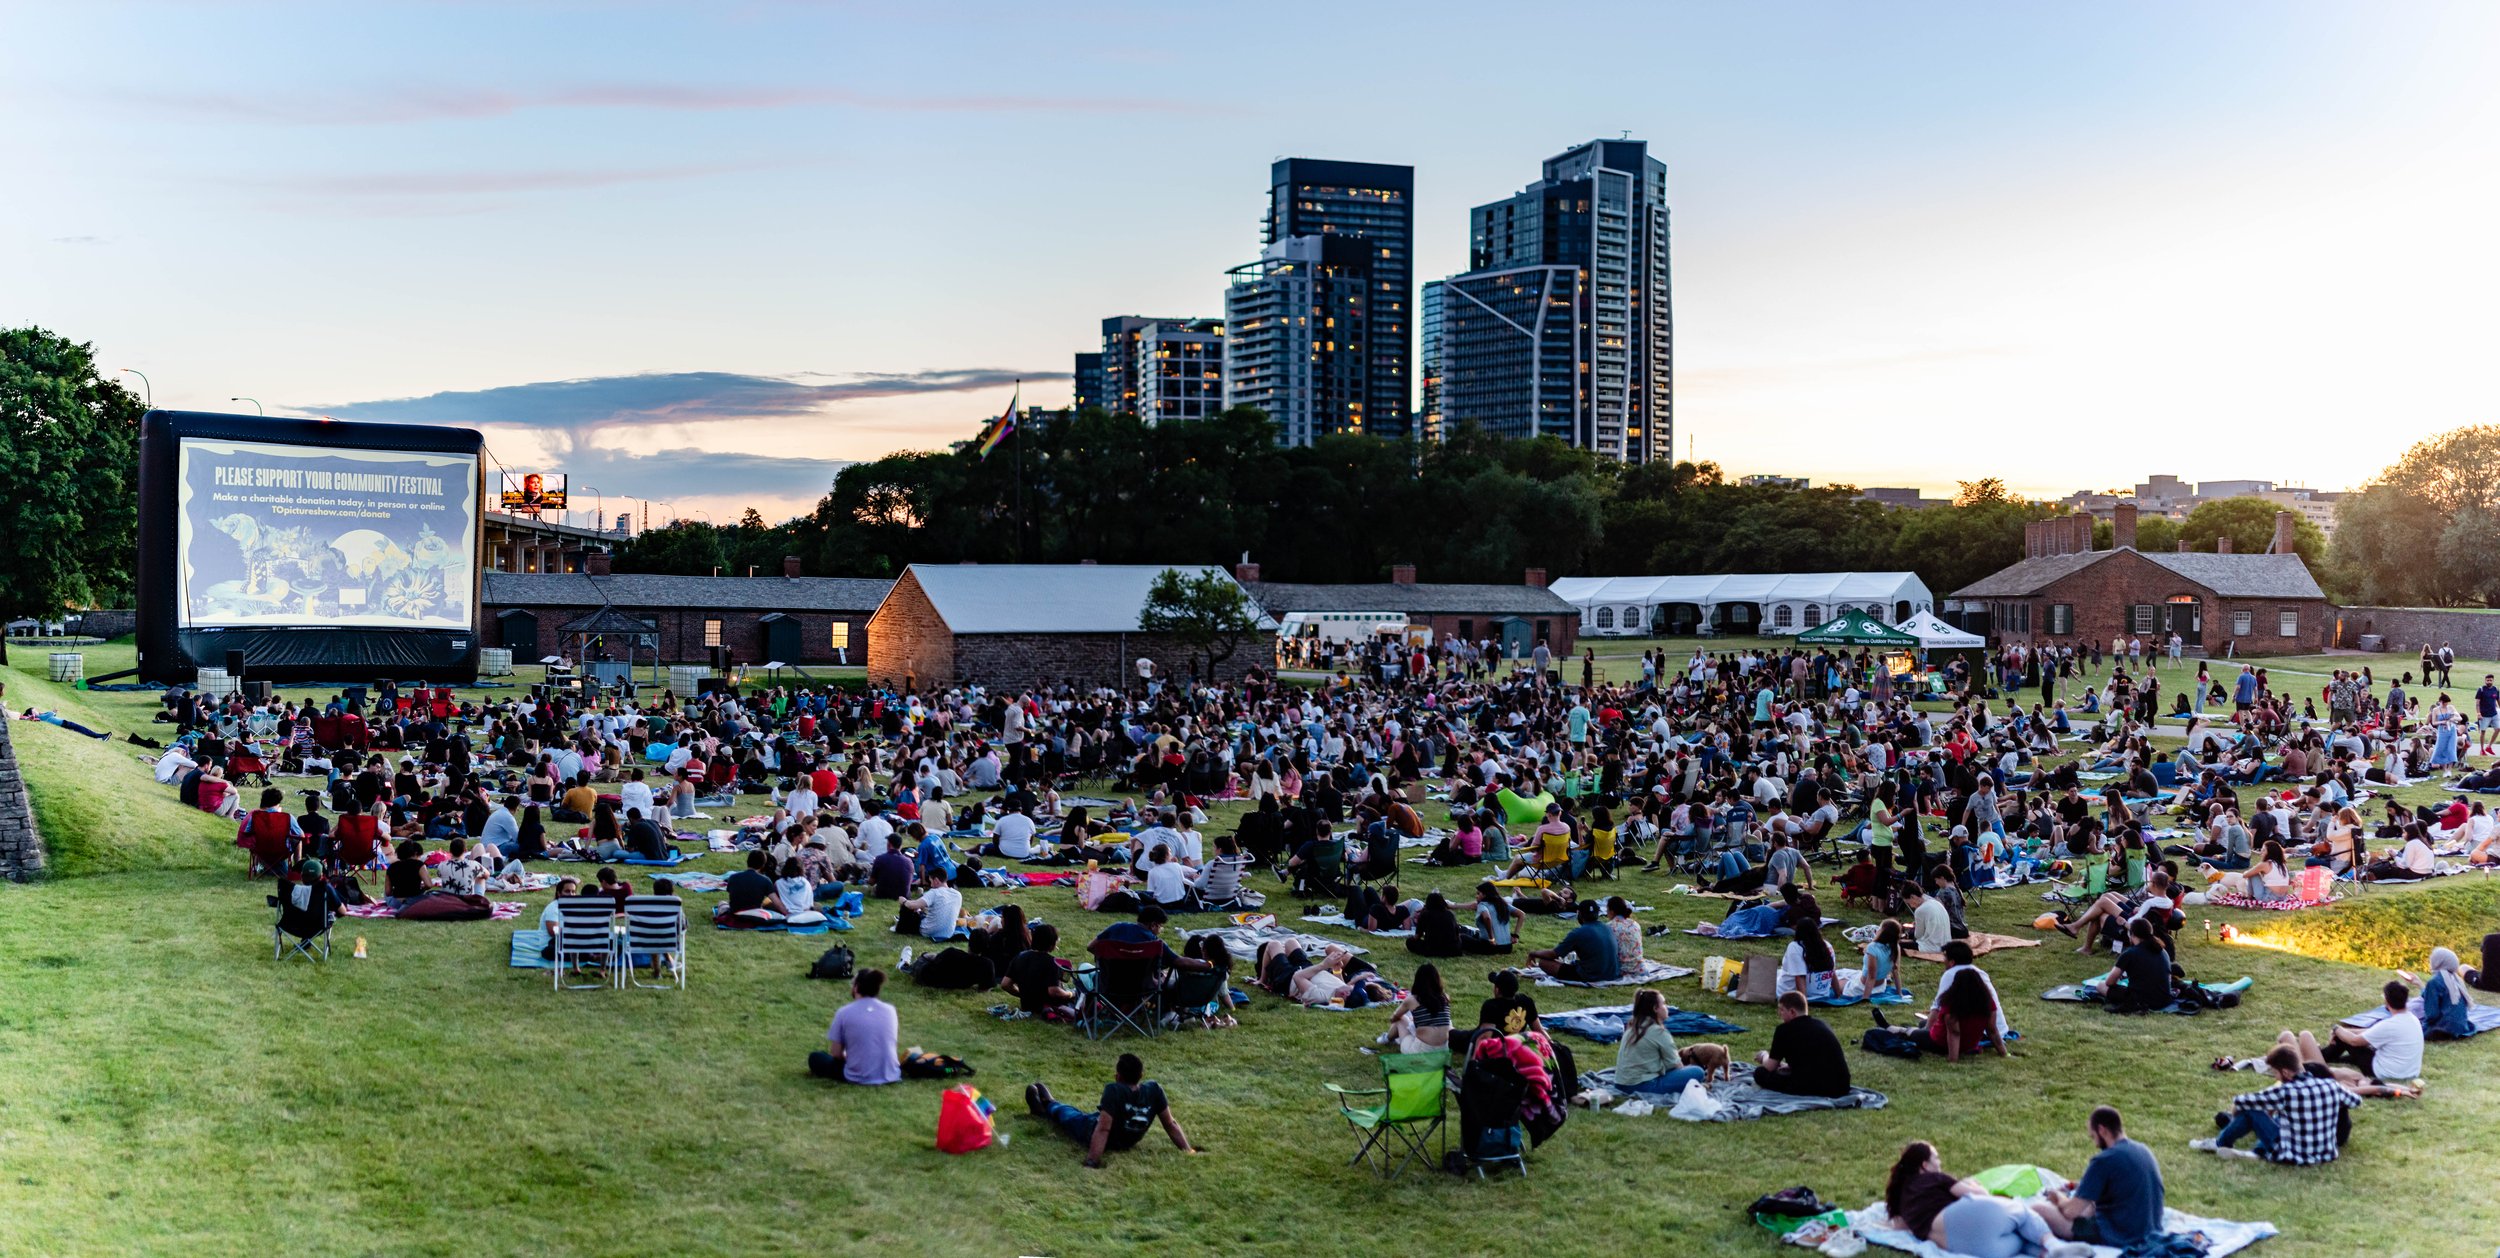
x=1019 y=435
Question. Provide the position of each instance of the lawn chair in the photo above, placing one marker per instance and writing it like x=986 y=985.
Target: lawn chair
x=2093 y=884
x=1119 y=989
x=1195 y=993
x=655 y=927
x=585 y=939
x=1413 y=1103
x=303 y=928
x=1324 y=876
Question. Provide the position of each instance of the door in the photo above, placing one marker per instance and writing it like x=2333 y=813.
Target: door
x=2186 y=618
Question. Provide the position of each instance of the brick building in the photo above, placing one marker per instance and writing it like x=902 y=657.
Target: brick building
x=786 y=617
x=1526 y=613
x=1013 y=626
x=2065 y=592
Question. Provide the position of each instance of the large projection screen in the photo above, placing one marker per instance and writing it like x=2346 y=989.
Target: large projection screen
x=279 y=535
x=321 y=551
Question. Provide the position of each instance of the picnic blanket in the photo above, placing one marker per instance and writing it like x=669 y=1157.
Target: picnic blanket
x=2481 y=1018
x=786 y=928
x=1340 y=921
x=505 y=910
x=1651 y=971
x=674 y=858
x=2089 y=990
x=529 y=882
x=1605 y=1023
x=1244 y=941
x=699 y=882
x=1740 y=1101
x=529 y=950
x=1768 y=934
x=1981 y=944
x=2221 y=1236
x=2285 y=904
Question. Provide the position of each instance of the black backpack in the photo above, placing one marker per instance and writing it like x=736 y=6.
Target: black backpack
x=1788 y=1203
x=835 y=964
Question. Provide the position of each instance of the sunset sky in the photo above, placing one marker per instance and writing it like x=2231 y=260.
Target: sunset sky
x=697 y=254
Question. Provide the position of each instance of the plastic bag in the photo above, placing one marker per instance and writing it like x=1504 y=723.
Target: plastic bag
x=1696 y=1105
x=963 y=1121
x=1711 y=969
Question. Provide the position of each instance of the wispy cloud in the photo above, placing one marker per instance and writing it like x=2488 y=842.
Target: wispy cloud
x=78 y=240
x=584 y=407
x=458 y=183
x=406 y=105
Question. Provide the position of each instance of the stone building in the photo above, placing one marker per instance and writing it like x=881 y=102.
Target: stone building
x=1014 y=626
x=2065 y=592
x=785 y=617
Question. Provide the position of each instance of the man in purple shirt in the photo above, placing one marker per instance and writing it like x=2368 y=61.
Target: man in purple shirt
x=862 y=1042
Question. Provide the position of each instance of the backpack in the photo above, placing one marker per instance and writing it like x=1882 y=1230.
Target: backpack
x=1889 y=1041
x=1788 y=1203
x=834 y=964
x=935 y=1066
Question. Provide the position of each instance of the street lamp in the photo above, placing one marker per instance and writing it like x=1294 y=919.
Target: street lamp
x=254 y=401
x=144 y=382
x=602 y=521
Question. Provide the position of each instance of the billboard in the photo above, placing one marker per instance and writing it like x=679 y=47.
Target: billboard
x=292 y=535
x=532 y=492
x=316 y=550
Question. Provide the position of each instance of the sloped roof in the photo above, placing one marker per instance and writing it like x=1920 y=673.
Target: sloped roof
x=1044 y=598
x=1745 y=587
x=603 y=621
x=774 y=593
x=2228 y=576
x=1855 y=629
x=1934 y=632
x=1281 y=597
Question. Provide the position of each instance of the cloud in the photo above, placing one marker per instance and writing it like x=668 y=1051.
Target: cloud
x=583 y=407
x=406 y=105
x=481 y=183
x=721 y=483
x=78 y=240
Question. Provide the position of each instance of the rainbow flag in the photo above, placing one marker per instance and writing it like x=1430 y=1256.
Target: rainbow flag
x=1002 y=427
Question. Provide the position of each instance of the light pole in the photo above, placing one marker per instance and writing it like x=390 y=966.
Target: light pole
x=254 y=401
x=144 y=382
x=602 y=521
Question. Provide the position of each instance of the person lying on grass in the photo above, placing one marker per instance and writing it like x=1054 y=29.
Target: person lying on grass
x=1961 y=1217
x=2381 y=1060
x=1340 y=978
x=1131 y=1105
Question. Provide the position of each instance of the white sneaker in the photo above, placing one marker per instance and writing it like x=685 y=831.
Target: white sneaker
x=906 y=962
x=2204 y=1144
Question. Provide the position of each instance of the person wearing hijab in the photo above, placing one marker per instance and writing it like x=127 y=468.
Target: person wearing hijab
x=2447 y=1011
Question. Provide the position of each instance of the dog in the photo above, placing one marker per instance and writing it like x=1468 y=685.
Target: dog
x=1712 y=1058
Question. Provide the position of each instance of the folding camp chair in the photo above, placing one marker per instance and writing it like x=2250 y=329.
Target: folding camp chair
x=1119 y=989
x=1195 y=992
x=655 y=927
x=585 y=939
x=1324 y=876
x=2095 y=881
x=300 y=931
x=1413 y=1102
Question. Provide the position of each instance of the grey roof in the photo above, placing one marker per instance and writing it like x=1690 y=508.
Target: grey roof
x=1280 y=597
x=1042 y=598
x=2228 y=576
x=603 y=621
x=774 y=593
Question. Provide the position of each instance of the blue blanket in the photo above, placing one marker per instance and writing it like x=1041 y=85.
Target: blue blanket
x=1605 y=1023
x=529 y=948
x=2478 y=1019
x=675 y=858
x=785 y=928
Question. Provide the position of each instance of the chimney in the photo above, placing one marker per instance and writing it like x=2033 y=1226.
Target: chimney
x=1246 y=572
x=2122 y=526
x=2081 y=542
x=790 y=566
x=1535 y=578
x=595 y=563
x=2222 y=544
x=1402 y=574
x=2286 y=531
x=2183 y=546
x=2031 y=538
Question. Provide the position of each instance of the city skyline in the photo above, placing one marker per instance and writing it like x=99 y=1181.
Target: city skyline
x=675 y=250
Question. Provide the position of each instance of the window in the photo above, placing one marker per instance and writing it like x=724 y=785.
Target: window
x=2243 y=624
x=1467 y=629
x=2143 y=618
x=1631 y=618
x=841 y=635
x=1740 y=614
x=2061 y=618
x=1814 y=614
x=1605 y=618
x=1779 y=616
x=2291 y=625
x=711 y=632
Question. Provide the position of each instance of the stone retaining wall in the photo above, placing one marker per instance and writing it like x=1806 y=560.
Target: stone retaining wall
x=21 y=849
x=2474 y=634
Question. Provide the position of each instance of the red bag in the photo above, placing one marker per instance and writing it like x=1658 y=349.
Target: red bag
x=963 y=1121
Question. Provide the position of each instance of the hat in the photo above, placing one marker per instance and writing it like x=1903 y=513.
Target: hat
x=1961 y=832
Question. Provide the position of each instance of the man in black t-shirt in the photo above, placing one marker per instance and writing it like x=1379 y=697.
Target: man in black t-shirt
x=1131 y=1106
x=1037 y=978
x=1805 y=1057
x=2146 y=969
x=749 y=888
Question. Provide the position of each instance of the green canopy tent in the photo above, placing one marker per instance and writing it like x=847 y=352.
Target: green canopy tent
x=1856 y=628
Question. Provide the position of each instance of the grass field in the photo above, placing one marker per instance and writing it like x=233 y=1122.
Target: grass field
x=164 y=1088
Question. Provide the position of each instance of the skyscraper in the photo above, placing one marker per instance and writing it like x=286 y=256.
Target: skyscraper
x=1089 y=381
x=1321 y=326
x=1564 y=323
x=1159 y=369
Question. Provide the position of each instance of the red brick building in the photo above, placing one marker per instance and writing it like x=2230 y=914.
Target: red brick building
x=2066 y=593
x=1527 y=613
x=1020 y=626
x=785 y=617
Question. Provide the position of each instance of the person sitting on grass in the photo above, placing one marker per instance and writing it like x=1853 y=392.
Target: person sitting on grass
x=1808 y=967
x=1586 y=955
x=1495 y=920
x=1437 y=933
x=1957 y=1215
x=2141 y=980
x=2113 y=908
x=863 y=1044
x=1880 y=972
x=751 y=898
x=1646 y=1061
x=1960 y=960
x=1805 y=1058
x=1131 y=1105
x=1965 y=1015
x=2447 y=1008
x=2300 y=1121
x=1421 y=1022
x=1038 y=979
x=2120 y=1199
x=935 y=912
x=2387 y=1051
x=2312 y=1061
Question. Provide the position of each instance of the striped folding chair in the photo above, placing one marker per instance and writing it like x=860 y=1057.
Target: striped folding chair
x=655 y=928
x=586 y=939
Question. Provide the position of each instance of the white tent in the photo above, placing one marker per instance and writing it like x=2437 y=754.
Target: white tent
x=1740 y=603
x=1936 y=635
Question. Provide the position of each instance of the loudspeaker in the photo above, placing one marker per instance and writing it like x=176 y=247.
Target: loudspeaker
x=720 y=659
x=711 y=685
x=234 y=664
x=256 y=691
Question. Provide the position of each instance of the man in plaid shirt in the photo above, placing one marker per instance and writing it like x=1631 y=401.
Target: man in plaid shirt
x=2295 y=1121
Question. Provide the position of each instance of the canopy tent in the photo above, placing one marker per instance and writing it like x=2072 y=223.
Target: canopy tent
x=1740 y=603
x=1856 y=628
x=1935 y=635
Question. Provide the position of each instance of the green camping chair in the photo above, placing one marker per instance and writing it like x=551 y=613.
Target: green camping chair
x=1412 y=1102
x=2095 y=881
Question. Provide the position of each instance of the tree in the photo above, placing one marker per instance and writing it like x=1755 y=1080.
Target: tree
x=1975 y=492
x=1208 y=612
x=69 y=455
x=2391 y=535
x=2249 y=523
